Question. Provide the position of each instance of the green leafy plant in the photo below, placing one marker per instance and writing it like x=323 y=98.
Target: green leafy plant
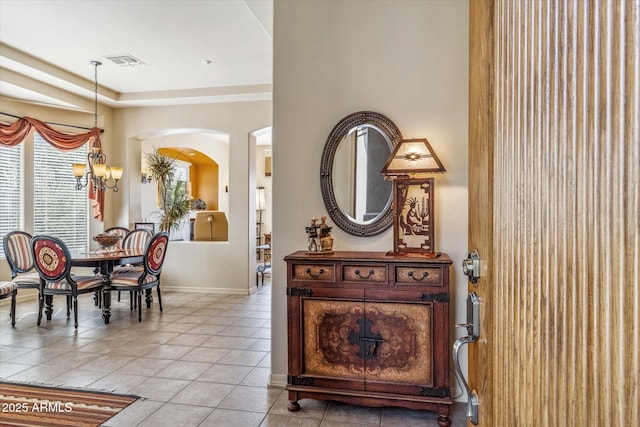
x=174 y=202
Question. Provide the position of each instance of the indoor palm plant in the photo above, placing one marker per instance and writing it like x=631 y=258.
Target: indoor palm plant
x=174 y=203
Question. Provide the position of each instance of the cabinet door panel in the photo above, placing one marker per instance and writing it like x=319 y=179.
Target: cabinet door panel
x=404 y=352
x=327 y=351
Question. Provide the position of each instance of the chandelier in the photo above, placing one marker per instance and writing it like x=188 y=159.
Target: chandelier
x=100 y=175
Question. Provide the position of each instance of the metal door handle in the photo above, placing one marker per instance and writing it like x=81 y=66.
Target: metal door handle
x=473 y=331
x=472 y=399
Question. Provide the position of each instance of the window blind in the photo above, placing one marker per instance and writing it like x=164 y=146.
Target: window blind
x=59 y=209
x=11 y=200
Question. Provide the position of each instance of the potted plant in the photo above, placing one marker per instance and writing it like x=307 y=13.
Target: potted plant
x=174 y=203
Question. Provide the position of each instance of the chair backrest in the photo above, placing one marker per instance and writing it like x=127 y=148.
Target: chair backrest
x=118 y=231
x=211 y=225
x=156 y=252
x=17 y=249
x=52 y=258
x=137 y=239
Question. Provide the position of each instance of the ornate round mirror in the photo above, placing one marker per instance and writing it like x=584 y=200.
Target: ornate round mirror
x=356 y=196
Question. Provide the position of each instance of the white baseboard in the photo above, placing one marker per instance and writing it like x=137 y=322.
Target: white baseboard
x=277 y=380
x=215 y=291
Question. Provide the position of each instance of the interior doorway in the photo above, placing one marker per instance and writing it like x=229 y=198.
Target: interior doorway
x=260 y=182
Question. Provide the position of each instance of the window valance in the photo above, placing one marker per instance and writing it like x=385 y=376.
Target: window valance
x=17 y=131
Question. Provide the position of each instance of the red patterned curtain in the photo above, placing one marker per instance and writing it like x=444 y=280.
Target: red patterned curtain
x=16 y=132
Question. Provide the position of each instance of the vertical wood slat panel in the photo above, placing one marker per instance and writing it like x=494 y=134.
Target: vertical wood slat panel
x=567 y=207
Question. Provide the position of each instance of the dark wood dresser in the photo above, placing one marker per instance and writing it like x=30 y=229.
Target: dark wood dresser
x=369 y=329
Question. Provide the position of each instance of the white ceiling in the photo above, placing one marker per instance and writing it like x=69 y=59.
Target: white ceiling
x=46 y=48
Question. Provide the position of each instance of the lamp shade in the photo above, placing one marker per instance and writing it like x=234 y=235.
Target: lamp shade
x=260 y=201
x=78 y=169
x=412 y=156
x=100 y=170
x=116 y=172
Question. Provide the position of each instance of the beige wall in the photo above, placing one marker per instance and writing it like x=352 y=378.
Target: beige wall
x=218 y=267
x=404 y=59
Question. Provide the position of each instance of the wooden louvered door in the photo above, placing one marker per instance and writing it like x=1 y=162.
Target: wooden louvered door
x=554 y=207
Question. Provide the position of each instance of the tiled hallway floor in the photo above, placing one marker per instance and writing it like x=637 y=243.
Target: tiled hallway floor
x=203 y=362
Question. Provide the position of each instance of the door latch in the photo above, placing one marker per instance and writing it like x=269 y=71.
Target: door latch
x=473 y=331
x=471 y=266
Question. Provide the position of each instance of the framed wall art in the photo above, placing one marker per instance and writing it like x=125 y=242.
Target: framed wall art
x=145 y=226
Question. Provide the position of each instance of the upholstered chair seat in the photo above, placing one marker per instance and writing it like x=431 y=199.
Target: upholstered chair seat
x=10 y=290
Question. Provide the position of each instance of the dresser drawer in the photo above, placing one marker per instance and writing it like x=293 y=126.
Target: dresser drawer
x=365 y=274
x=314 y=272
x=407 y=275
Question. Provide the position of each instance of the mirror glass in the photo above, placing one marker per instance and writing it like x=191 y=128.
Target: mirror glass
x=356 y=196
x=361 y=192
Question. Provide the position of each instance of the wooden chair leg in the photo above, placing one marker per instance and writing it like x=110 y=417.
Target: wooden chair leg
x=148 y=297
x=139 y=306
x=48 y=302
x=118 y=296
x=40 y=308
x=68 y=306
x=75 y=311
x=13 y=308
x=159 y=299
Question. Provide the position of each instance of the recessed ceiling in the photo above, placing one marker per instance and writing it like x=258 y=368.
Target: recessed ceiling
x=46 y=48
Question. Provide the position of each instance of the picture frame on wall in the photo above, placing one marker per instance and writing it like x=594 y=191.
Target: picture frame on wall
x=150 y=226
x=413 y=219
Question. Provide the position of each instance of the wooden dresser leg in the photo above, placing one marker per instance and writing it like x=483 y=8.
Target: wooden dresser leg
x=444 y=421
x=293 y=406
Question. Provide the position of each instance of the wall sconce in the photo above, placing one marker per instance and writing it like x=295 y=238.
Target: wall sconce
x=146 y=176
x=413 y=204
x=226 y=185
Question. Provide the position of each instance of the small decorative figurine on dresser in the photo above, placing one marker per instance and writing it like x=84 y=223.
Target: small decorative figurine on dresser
x=319 y=242
x=326 y=241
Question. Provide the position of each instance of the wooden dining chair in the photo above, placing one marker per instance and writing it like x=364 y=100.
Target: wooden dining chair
x=10 y=290
x=53 y=264
x=17 y=250
x=135 y=240
x=137 y=282
x=118 y=231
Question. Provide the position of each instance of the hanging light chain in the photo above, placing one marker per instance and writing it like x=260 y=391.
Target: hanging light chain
x=95 y=101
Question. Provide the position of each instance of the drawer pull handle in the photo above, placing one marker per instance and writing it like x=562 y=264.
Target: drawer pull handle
x=424 y=276
x=364 y=277
x=315 y=276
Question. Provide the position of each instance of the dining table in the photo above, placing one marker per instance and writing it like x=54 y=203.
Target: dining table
x=103 y=261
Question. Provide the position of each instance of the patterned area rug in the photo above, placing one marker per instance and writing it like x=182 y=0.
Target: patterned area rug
x=30 y=405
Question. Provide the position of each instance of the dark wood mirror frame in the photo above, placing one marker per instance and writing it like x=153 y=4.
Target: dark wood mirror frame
x=342 y=220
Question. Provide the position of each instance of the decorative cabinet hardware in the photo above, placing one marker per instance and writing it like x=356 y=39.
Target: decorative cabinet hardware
x=366 y=339
x=425 y=274
x=434 y=297
x=360 y=275
x=299 y=292
x=471 y=266
x=369 y=329
x=314 y=275
x=435 y=392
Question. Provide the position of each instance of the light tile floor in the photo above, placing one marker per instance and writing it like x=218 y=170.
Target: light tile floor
x=204 y=361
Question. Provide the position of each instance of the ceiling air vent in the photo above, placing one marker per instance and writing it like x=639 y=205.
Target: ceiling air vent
x=125 y=60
